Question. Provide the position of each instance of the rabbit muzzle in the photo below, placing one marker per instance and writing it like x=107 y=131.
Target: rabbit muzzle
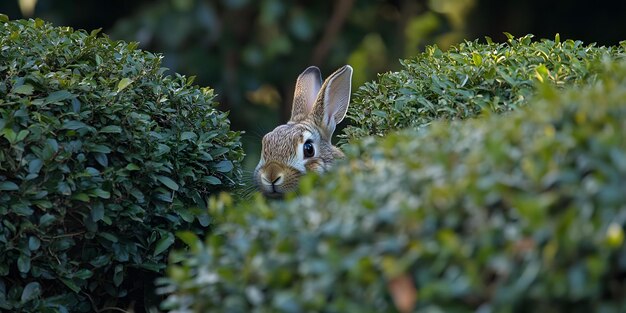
x=275 y=179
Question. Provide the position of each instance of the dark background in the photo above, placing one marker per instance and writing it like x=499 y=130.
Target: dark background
x=250 y=52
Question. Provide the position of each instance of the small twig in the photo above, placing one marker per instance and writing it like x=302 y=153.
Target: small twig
x=332 y=29
x=55 y=256
x=69 y=235
x=93 y=304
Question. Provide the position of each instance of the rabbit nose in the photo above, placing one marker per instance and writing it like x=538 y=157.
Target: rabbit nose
x=272 y=176
x=274 y=180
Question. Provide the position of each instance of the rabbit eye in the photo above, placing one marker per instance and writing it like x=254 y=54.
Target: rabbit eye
x=308 y=149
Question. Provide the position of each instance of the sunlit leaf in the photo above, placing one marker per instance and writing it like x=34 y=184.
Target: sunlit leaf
x=125 y=82
x=25 y=89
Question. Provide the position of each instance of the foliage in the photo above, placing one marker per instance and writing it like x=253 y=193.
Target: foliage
x=523 y=212
x=292 y=34
x=469 y=79
x=253 y=63
x=102 y=159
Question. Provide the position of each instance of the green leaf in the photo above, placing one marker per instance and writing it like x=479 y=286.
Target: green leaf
x=132 y=167
x=50 y=149
x=81 y=197
x=74 y=125
x=100 y=261
x=112 y=129
x=211 y=180
x=58 y=96
x=33 y=243
x=108 y=236
x=34 y=166
x=8 y=186
x=64 y=188
x=187 y=215
x=218 y=152
x=167 y=239
x=541 y=73
x=163 y=149
x=97 y=212
x=76 y=105
x=78 y=163
x=125 y=82
x=31 y=291
x=224 y=166
x=155 y=267
x=197 y=199
x=187 y=135
x=62 y=244
x=83 y=274
x=39 y=23
x=477 y=58
x=70 y=284
x=9 y=134
x=100 y=149
x=25 y=89
x=22 y=135
x=380 y=113
x=22 y=209
x=101 y=158
x=102 y=193
x=168 y=182
x=190 y=239
x=92 y=171
x=118 y=275
x=46 y=219
x=23 y=263
x=54 y=145
x=204 y=219
x=43 y=204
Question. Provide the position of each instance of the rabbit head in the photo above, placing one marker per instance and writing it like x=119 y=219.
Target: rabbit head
x=304 y=143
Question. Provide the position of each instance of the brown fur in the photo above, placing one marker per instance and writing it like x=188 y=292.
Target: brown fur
x=316 y=110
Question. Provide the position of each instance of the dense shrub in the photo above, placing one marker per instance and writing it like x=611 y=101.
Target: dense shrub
x=102 y=159
x=468 y=79
x=523 y=212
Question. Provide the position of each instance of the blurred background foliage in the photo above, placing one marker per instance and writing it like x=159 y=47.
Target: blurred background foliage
x=250 y=52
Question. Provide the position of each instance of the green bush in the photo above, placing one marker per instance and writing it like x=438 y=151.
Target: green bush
x=468 y=79
x=523 y=212
x=102 y=159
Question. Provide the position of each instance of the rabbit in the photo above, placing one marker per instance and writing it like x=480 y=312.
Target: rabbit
x=304 y=143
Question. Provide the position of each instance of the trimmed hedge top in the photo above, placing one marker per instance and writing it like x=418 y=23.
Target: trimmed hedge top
x=517 y=213
x=102 y=159
x=468 y=79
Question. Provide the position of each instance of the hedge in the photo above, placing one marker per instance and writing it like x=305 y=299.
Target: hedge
x=522 y=212
x=469 y=79
x=103 y=158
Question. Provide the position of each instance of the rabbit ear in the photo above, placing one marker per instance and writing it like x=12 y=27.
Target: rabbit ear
x=332 y=103
x=307 y=87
